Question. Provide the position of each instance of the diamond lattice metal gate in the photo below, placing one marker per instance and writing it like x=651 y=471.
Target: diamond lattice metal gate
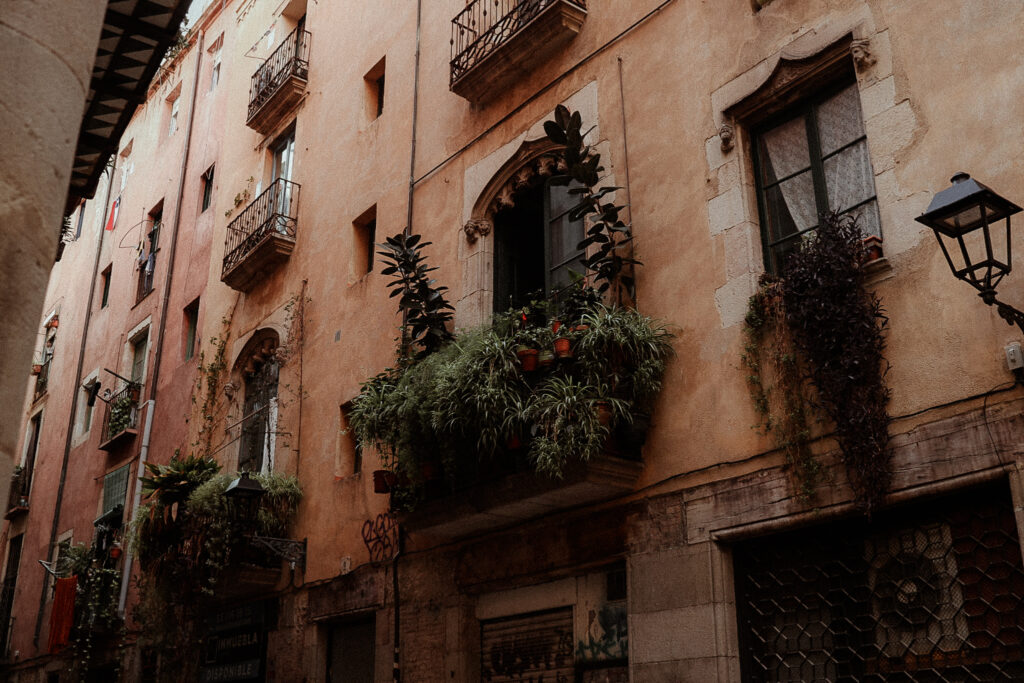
x=929 y=592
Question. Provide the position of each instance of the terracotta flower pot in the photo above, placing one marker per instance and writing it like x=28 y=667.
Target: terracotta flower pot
x=546 y=358
x=383 y=481
x=52 y=323
x=872 y=248
x=528 y=359
x=556 y=325
x=115 y=552
x=37 y=368
x=563 y=349
x=604 y=412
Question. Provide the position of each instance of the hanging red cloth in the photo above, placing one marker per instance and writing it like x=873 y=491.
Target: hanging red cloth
x=62 y=617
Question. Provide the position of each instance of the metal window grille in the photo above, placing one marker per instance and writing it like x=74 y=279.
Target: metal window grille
x=115 y=487
x=932 y=593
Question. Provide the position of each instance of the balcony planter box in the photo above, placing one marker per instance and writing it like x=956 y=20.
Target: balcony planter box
x=522 y=496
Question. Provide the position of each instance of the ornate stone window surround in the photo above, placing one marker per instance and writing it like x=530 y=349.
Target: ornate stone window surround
x=771 y=85
x=489 y=185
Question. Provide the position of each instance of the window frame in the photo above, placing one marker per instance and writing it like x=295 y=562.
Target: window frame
x=839 y=77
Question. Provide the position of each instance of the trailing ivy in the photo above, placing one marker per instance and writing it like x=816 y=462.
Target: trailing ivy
x=777 y=384
x=96 y=620
x=837 y=325
x=830 y=333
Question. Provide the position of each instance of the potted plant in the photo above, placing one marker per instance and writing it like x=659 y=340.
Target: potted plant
x=527 y=357
x=563 y=347
x=872 y=248
x=546 y=358
x=53 y=323
x=37 y=368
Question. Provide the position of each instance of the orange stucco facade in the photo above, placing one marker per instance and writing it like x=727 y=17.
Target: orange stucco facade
x=940 y=90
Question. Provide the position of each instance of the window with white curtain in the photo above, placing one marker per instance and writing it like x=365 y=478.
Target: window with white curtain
x=810 y=161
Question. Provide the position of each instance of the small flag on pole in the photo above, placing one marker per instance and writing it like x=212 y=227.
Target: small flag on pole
x=113 y=214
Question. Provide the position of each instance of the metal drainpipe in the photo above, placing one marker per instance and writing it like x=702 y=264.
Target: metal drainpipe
x=162 y=328
x=73 y=413
x=396 y=669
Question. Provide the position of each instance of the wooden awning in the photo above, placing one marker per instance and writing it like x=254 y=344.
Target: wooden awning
x=135 y=37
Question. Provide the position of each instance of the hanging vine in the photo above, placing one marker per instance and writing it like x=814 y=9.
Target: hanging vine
x=777 y=386
x=830 y=335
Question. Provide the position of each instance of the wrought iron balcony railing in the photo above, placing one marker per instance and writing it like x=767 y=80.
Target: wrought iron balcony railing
x=291 y=58
x=271 y=215
x=484 y=26
x=122 y=414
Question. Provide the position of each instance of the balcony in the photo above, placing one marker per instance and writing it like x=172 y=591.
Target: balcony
x=279 y=84
x=17 y=499
x=495 y=41
x=262 y=236
x=505 y=499
x=121 y=418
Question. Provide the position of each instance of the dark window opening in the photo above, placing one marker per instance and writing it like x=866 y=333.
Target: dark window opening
x=105 y=279
x=365 y=228
x=191 y=314
x=375 y=90
x=207 y=188
x=147 y=258
x=535 y=245
x=350 y=651
x=259 y=407
x=7 y=590
x=350 y=440
x=34 y=430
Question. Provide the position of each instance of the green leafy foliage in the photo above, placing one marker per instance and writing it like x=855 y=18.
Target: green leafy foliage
x=427 y=313
x=608 y=241
x=778 y=384
x=186 y=536
x=465 y=405
x=96 y=598
x=838 y=327
x=819 y=334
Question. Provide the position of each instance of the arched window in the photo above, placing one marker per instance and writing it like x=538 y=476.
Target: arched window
x=535 y=243
x=259 y=368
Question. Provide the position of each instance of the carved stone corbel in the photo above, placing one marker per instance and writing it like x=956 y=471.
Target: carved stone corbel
x=860 y=50
x=727 y=136
x=476 y=228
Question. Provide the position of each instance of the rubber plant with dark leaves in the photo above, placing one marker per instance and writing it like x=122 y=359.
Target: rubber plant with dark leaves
x=608 y=245
x=427 y=313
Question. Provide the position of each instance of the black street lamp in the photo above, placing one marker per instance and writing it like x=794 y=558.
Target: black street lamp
x=245 y=494
x=965 y=218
